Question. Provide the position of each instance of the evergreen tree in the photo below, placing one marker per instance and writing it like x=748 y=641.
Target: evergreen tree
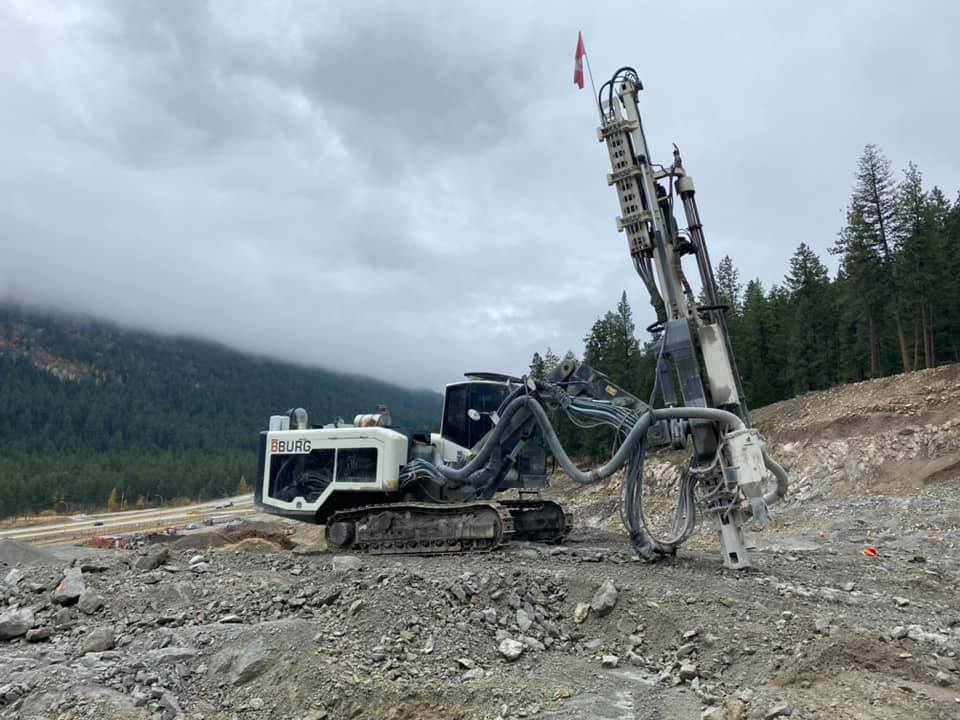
x=538 y=368
x=550 y=361
x=753 y=347
x=728 y=286
x=809 y=323
x=876 y=226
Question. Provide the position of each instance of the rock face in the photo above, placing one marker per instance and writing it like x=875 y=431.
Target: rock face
x=605 y=599
x=15 y=623
x=70 y=588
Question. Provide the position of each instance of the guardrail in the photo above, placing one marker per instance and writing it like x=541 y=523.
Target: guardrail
x=68 y=535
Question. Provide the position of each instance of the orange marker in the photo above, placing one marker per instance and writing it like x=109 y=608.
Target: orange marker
x=870 y=551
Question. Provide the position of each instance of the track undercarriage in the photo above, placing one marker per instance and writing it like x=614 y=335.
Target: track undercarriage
x=434 y=529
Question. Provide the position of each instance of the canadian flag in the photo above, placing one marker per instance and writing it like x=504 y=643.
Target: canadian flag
x=578 y=62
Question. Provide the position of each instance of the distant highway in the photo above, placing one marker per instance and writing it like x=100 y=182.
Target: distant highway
x=129 y=521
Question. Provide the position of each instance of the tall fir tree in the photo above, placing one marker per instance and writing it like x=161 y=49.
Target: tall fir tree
x=809 y=323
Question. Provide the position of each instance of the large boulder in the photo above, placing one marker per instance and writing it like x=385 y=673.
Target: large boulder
x=153 y=559
x=99 y=640
x=243 y=664
x=70 y=589
x=15 y=623
x=90 y=601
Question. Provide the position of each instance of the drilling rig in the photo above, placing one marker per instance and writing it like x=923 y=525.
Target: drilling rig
x=388 y=490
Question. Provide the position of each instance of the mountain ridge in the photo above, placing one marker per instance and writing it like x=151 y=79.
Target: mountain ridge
x=87 y=406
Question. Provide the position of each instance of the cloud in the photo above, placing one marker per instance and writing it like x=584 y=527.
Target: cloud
x=413 y=192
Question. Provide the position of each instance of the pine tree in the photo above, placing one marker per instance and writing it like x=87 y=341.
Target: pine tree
x=754 y=349
x=810 y=328
x=916 y=262
x=875 y=199
x=550 y=361
x=538 y=368
x=728 y=286
x=243 y=487
x=865 y=293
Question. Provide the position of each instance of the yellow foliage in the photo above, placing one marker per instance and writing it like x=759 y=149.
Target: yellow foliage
x=113 y=502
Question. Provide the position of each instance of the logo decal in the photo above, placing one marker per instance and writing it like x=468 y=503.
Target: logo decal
x=300 y=445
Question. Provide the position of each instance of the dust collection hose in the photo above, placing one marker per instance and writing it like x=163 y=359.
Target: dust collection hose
x=632 y=448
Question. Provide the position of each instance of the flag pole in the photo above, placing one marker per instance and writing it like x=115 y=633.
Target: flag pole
x=592 y=85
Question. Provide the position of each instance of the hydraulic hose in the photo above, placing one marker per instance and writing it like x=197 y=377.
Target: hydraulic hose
x=632 y=448
x=780 y=474
x=636 y=434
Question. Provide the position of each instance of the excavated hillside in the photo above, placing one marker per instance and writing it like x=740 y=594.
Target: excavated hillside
x=894 y=437
x=264 y=624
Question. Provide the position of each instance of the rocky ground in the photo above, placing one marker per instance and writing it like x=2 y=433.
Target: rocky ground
x=260 y=622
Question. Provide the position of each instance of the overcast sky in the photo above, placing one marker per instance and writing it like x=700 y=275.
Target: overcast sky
x=413 y=193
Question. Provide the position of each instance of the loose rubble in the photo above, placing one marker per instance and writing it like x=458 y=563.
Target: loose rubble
x=214 y=629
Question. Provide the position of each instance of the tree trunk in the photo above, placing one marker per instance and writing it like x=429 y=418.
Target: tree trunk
x=904 y=350
x=916 y=341
x=874 y=360
x=929 y=352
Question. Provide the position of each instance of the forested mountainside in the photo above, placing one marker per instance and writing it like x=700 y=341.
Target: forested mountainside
x=92 y=414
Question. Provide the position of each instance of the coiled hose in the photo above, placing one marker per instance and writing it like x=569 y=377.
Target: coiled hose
x=632 y=449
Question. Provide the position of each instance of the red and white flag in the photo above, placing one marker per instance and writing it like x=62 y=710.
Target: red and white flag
x=578 y=62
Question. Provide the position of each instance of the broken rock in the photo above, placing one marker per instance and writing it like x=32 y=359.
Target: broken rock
x=605 y=599
x=99 y=640
x=70 y=588
x=345 y=563
x=580 y=613
x=511 y=649
x=523 y=620
x=782 y=710
x=38 y=634
x=152 y=560
x=243 y=665
x=90 y=601
x=15 y=623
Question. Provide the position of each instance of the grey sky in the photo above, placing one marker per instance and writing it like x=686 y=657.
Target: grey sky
x=415 y=191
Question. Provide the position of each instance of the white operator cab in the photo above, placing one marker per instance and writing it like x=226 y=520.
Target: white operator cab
x=469 y=413
x=301 y=468
x=310 y=473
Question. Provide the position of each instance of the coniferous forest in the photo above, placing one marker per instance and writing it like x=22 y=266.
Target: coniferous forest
x=892 y=307
x=93 y=416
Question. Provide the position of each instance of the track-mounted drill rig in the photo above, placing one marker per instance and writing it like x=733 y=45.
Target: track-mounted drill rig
x=388 y=490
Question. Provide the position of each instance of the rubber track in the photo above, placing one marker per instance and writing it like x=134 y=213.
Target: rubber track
x=434 y=546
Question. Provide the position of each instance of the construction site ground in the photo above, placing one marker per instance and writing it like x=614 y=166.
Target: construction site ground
x=259 y=621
